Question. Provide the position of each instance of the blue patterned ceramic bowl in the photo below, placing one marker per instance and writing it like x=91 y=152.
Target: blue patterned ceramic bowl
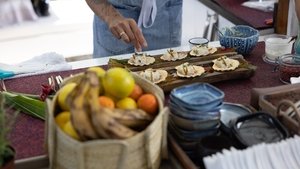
x=241 y=37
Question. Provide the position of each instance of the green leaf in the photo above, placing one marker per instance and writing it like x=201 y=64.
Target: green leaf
x=26 y=104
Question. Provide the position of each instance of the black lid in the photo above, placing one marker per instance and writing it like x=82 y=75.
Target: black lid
x=258 y=128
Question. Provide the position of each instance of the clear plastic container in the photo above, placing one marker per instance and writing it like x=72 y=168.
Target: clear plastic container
x=276 y=46
x=289 y=66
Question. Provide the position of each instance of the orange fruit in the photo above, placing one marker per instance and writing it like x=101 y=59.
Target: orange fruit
x=106 y=102
x=148 y=103
x=137 y=92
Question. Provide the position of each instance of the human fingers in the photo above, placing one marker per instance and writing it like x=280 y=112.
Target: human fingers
x=138 y=34
x=117 y=30
x=129 y=32
x=122 y=29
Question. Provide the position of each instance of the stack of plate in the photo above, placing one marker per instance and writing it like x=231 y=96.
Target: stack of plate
x=195 y=113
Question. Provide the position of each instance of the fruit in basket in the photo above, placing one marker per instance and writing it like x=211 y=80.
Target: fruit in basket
x=127 y=103
x=100 y=71
x=79 y=116
x=105 y=125
x=69 y=130
x=63 y=94
x=133 y=118
x=148 y=103
x=118 y=82
x=62 y=118
x=106 y=101
x=108 y=127
x=136 y=92
x=90 y=120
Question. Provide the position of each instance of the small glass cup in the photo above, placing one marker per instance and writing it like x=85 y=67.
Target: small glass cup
x=289 y=66
x=276 y=46
x=198 y=41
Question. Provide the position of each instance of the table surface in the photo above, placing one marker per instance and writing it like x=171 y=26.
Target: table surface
x=240 y=15
x=28 y=135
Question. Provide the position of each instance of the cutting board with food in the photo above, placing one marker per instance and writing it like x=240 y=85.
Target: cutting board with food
x=176 y=68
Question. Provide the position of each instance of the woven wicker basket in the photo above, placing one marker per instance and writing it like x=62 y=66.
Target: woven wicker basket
x=290 y=116
x=144 y=150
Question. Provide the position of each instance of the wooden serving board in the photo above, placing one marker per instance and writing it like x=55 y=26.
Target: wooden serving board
x=245 y=70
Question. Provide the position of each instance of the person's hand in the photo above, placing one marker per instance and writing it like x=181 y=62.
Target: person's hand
x=127 y=30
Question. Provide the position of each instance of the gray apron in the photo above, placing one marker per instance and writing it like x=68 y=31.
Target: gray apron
x=160 y=31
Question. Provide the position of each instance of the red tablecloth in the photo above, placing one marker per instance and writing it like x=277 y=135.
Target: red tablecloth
x=28 y=136
x=253 y=17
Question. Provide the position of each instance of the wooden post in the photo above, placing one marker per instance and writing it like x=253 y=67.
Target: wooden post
x=281 y=16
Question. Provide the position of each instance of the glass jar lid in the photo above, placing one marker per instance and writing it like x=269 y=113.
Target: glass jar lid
x=289 y=60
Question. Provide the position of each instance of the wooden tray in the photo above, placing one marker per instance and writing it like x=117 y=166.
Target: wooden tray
x=284 y=105
x=269 y=101
x=245 y=70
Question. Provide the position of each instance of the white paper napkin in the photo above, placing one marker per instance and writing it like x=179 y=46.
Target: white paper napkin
x=45 y=63
x=279 y=155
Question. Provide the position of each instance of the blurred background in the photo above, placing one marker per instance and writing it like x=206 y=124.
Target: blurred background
x=67 y=30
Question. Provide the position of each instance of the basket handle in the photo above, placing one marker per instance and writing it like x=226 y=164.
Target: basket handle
x=292 y=105
x=164 y=143
x=50 y=130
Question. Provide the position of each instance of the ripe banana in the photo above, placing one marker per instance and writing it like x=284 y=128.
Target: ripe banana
x=80 y=117
x=133 y=118
x=105 y=125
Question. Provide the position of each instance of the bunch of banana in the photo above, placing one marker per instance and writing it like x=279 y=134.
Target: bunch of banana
x=91 y=121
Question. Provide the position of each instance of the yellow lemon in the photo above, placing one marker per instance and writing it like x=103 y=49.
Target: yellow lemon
x=127 y=103
x=69 y=130
x=63 y=94
x=62 y=118
x=118 y=82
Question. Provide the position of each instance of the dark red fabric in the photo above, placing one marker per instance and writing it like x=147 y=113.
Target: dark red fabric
x=28 y=135
x=253 y=17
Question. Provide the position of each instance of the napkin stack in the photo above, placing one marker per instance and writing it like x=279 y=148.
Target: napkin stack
x=45 y=63
x=284 y=154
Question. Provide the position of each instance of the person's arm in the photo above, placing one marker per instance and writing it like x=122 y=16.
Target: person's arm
x=121 y=27
x=297 y=8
